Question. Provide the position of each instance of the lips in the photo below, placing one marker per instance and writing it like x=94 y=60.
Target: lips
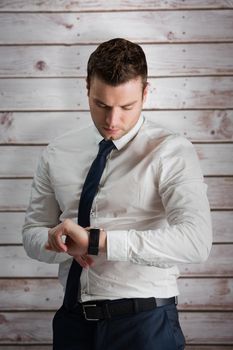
x=112 y=131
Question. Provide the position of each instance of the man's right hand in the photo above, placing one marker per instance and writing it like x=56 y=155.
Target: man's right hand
x=70 y=238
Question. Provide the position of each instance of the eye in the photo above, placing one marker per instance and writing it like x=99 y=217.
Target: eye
x=127 y=108
x=101 y=105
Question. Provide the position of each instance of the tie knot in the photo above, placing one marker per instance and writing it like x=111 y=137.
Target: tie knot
x=105 y=147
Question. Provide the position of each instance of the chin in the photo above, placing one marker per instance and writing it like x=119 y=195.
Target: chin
x=112 y=136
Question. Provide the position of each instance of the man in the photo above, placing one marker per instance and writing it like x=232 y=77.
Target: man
x=149 y=213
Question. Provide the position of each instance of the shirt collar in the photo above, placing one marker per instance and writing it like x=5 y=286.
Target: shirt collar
x=120 y=143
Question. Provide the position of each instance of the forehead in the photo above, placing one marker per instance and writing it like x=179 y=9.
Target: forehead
x=102 y=91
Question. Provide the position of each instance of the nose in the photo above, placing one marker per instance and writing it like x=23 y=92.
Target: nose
x=112 y=117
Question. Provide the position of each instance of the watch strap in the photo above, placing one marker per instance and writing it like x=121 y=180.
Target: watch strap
x=93 y=247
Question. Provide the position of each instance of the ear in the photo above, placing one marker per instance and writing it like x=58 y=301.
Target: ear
x=145 y=92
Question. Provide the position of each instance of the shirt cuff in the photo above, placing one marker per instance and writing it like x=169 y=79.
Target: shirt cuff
x=117 y=245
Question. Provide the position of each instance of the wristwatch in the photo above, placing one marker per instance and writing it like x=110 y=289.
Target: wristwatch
x=93 y=246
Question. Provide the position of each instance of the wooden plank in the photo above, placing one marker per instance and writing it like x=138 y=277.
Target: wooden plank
x=70 y=94
x=110 y=5
x=222 y=222
x=20 y=161
x=11 y=226
x=216 y=159
x=207 y=328
x=198 y=294
x=15 y=193
x=219 y=264
x=220 y=192
x=42 y=127
x=43 y=94
x=30 y=294
x=26 y=328
x=83 y=28
x=32 y=327
x=206 y=294
x=71 y=61
x=15 y=263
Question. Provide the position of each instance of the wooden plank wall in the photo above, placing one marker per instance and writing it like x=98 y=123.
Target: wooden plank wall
x=44 y=46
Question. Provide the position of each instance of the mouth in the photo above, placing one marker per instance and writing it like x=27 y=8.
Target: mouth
x=111 y=131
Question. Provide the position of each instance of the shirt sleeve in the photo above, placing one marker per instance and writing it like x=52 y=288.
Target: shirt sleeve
x=187 y=236
x=43 y=213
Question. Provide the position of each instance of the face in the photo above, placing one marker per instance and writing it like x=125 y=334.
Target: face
x=115 y=109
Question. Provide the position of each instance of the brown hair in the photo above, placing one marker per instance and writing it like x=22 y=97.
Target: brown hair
x=116 y=62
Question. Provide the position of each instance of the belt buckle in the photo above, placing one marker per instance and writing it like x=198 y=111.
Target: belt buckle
x=84 y=312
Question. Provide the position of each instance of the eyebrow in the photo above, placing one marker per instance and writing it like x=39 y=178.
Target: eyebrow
x=126 y=105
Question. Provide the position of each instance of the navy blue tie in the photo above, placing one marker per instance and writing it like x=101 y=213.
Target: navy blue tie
x=89 y=191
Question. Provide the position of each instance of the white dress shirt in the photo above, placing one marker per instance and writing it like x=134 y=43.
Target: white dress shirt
x=151 y=202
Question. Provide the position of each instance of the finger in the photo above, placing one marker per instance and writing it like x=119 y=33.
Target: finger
x=52 y=245
x=47 y=246
x=55 y=240
x=89 y=260
x=61 y=245
x=52 y=239
x=81 y=260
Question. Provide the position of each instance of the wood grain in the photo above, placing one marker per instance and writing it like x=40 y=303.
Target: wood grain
x=19 y=161
x=111 y=5
x=42 y=127
x=85 y=28
x=15 y=263
x=222 y=223
x=207 y=328
x=70 y=94
x=220 y=192
x=216 y=159
x=71 y=61
x=219 y=264
x=26 y=328
x=11 y=227
x=15 y=194
x=206 y=294
x=30 y=294
x=214 y=294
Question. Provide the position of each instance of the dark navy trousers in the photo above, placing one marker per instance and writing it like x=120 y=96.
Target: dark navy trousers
x=158 y=329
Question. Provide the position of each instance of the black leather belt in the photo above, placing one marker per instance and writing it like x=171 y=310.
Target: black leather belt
x=100 y=310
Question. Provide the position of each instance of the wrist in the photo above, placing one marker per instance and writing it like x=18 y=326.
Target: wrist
x=103 y=241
